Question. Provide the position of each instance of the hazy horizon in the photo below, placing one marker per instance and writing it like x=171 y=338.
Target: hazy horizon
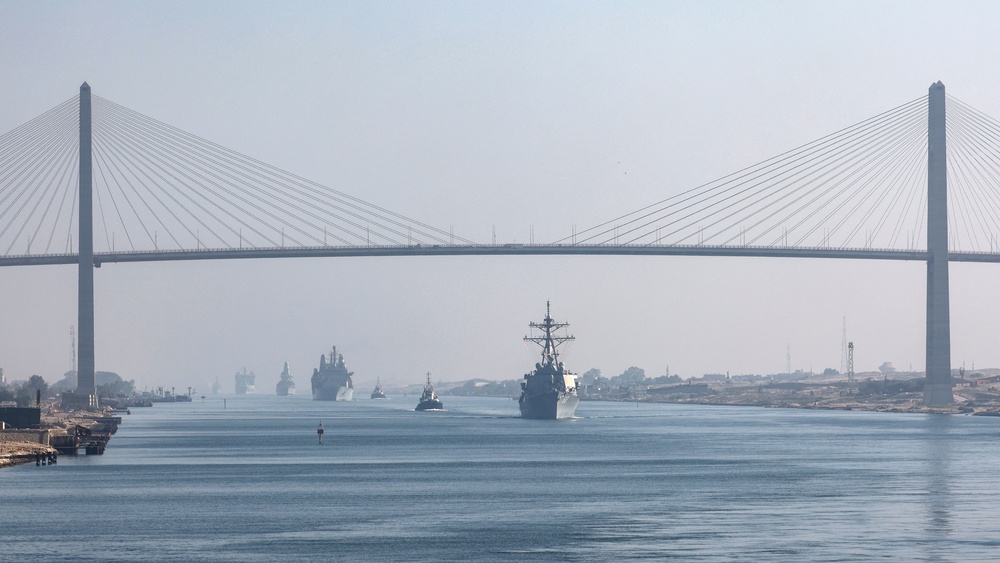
x=523 y=117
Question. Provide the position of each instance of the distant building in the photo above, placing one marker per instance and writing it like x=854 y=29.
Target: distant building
x=887 y=367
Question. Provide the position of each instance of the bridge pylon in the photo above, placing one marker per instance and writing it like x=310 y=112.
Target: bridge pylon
x=86 y=389
x=938 y=382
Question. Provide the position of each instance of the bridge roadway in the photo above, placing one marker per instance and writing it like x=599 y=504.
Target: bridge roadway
x=493 y=250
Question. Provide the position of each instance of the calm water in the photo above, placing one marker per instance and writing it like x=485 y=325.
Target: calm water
x=187 y=482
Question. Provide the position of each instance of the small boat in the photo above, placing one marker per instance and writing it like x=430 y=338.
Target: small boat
x=377 y=393
x=429 y=400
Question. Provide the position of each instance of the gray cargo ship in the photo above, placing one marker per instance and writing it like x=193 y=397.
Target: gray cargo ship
x=245 y=382
x=331 y=381
x=549 y=392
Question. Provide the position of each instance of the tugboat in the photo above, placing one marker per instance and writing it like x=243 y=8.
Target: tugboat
x=331 y=381
x=245 y=382
x=285 y=385
x=377 y=393
x=550 y=392
x=429 y=400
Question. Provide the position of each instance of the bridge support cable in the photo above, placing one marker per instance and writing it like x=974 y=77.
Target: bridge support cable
x=843 y=190
x=199 y=189
x=973 y=168
x=41 y=184
x=806 y=195
x=156 y=187
x=37 y=162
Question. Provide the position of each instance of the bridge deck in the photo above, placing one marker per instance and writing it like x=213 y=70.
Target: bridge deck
x=493 y=250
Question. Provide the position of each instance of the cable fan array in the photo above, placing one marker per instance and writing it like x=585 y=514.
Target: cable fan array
x=157 y=187
x=863 y=187
x=38 y=182
x=973 y=179
x=857 y=188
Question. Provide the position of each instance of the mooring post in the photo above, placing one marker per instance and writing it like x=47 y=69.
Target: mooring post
x=937 y=385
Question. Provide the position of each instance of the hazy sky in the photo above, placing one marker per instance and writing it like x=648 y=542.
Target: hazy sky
x=518 y=115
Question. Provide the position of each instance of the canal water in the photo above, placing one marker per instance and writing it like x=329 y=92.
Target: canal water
x=623 y=481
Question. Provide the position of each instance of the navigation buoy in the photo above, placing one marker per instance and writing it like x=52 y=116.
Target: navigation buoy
x=319 y=432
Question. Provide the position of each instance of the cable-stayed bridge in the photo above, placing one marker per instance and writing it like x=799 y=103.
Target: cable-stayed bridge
x=91 y=181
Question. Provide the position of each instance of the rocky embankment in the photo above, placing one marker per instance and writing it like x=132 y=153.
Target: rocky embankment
x=877 y=393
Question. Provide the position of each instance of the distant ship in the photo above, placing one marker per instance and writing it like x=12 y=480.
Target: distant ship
x=377 y=393
x=331 y=381
x=429 y=400
x=285 y=385
x=245 y=382
x=549 y=392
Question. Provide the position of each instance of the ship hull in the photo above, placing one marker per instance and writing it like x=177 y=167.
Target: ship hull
x=431 y=405
x=340 y=393
x=549 y=406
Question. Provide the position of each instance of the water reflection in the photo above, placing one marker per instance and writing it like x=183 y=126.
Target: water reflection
x=940 y=502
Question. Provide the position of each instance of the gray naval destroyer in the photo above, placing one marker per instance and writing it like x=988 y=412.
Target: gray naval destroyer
x=331 y=381
x=550 y=392
x=285 y=386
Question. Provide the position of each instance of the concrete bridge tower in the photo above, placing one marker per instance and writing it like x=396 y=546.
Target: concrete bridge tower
x=938 y=385
x=85 y=387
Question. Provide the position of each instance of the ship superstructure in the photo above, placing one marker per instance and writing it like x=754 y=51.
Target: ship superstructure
x=286 y=386
x=550 y=391
x=331 y=381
